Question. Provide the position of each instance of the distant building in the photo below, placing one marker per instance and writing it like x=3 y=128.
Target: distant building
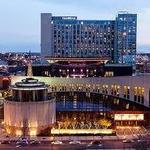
x=4 y=80
x=66 y=36
x=143 y=62
x=80 y=68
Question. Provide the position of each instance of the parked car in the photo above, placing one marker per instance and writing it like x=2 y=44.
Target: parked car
x=74 y=142
x=56 y=142
x=34 y=142
x=127 y=141
x=5 y=142
x=22 y=142
x=18 y=146
x=98 y=143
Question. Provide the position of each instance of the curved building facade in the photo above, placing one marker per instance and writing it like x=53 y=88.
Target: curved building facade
x=132 y=88
x=82 y=103
x=29 y=110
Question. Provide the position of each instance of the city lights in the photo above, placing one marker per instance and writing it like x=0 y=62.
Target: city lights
x=79 y=84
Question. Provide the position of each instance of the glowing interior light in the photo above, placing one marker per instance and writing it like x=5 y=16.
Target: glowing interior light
x=82 y=131
x=129 y=116
x=8 y=130
x=33 y=132
x=18 y=132
x=124 y=33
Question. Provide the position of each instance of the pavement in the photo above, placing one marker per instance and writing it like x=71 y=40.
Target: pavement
x=64 y=138
x=106 y=144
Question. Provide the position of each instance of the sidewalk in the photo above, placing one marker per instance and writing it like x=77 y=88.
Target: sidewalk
x=64 y=138
x=69 y=138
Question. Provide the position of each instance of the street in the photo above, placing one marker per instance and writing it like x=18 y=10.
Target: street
x=106 y=144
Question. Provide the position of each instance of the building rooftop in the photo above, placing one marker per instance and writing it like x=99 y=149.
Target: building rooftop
x=29 y=82
x=118 y=65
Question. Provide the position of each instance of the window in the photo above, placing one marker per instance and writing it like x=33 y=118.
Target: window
x=126 y=92
x=139 y=94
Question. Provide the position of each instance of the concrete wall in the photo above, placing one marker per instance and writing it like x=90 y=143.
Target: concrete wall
x=46 y=34
x=29 y=114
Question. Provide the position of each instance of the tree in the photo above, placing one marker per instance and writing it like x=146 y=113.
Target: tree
x=104 y=122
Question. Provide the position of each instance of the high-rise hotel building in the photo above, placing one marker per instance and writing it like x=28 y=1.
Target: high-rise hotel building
x=66 y=36
x=125 y=37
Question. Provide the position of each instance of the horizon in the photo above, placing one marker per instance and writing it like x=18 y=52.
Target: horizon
x=20 y=29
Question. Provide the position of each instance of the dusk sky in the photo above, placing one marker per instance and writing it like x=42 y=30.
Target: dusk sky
x=20 y=19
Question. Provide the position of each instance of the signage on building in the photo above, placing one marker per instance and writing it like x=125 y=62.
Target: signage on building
x=119 y=117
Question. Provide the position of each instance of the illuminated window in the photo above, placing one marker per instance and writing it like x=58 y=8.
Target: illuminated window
x=126 y=92
x=127 y=106
x=139 y=94
x=33 y=132
x=18 y=132
x=115 y=90
x=129 y=117
x=105 y=89
x=109 y=74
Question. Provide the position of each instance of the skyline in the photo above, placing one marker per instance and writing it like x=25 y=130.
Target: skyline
x=20 y=20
